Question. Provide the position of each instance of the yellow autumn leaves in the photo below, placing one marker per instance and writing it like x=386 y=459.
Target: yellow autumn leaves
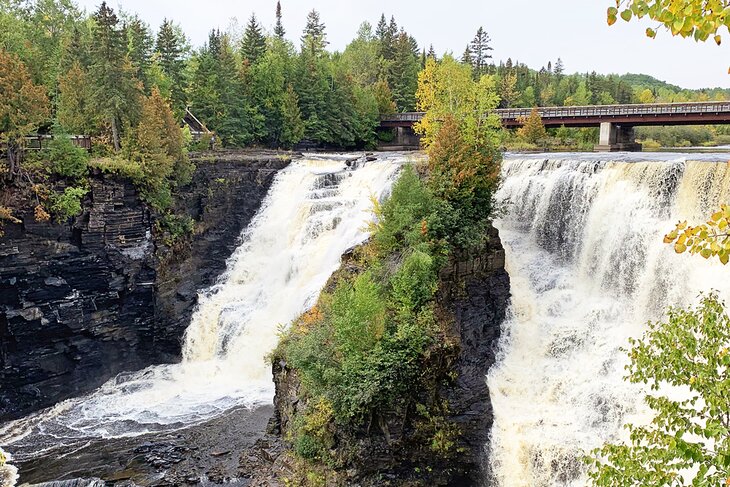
x=700 y=19
x=710 y=239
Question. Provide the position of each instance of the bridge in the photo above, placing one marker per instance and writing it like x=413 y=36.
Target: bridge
x=616 y=122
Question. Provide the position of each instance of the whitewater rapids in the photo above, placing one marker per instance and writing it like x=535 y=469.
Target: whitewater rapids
x=583 y=235
x=316 y=209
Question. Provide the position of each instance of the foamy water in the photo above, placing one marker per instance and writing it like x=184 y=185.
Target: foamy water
x=584 y=241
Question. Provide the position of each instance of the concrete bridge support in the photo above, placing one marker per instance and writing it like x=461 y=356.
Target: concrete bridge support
x=404 y=139
x=614 y=138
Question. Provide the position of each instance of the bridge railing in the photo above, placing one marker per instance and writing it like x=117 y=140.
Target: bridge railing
x=592 y=111
x=619 y=110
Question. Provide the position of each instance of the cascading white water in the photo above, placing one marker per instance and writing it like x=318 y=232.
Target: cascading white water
x=588 y=267
x=316 y=209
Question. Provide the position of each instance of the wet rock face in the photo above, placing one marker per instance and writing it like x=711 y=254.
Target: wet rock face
x=82 y=302
x=75 y=300
x=479 y=310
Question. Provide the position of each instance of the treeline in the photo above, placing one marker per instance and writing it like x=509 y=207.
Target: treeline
x=521 y=86
x=252 y=87
x=248 y=87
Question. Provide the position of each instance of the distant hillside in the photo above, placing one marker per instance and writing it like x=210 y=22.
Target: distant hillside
x=643 y=81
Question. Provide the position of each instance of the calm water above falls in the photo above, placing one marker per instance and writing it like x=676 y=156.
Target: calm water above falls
x=583 y=235
x=316 y=210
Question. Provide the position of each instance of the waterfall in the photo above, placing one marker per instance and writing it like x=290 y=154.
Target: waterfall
x=588 y=266
x=316 y=209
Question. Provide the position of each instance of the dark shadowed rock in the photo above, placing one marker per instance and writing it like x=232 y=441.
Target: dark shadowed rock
x=84 y=301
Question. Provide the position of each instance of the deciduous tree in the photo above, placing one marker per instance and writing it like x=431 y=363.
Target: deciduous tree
x=532 y=129
x=23 y=107
x=685 y=362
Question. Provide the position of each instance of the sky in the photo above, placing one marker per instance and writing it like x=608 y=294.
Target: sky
x=531 y=31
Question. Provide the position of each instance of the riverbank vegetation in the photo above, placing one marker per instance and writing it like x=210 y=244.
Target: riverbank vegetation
x=376 y=343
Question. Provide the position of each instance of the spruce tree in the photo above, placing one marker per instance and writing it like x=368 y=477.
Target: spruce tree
x=170 y=49
x=279 y=28
x=385 y=39
x=431 y=53
x=480 y=52
x=314 y=39
x=559 y=68
x=116 y=92
x=139 y=48
x=253 y=45
x=466 y=57
x=405 y=73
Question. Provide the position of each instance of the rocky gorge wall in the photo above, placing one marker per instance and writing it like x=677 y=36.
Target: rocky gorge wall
x=84 y=301
x=473 y=294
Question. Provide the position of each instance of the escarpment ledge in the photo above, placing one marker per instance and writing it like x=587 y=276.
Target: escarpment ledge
x=83 y=301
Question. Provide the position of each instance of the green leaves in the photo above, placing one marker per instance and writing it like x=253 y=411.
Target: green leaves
x=611 y=15
x=687 y=441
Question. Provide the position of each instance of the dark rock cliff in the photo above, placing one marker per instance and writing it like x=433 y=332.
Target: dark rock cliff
x=473 y=294
x=81 y=302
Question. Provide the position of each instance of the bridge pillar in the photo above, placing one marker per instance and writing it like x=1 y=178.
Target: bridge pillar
x=614 y=138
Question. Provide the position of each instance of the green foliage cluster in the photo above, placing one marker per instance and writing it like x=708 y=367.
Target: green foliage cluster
x=688 y=440
x=684 y=136
x=369 y=320
x=67 y=204
x=362 y=350
x=66 y=159
x=175 y=227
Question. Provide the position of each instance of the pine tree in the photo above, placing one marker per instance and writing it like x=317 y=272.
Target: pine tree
x=170 y=49
x=480 y=51
x=253 y=45
x=279 y=28
x=116 y=91
x=314 y=38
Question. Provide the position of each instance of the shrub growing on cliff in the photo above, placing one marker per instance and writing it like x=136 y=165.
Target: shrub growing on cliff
x=362 y=346
x=68 y=204
x=65 y=158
